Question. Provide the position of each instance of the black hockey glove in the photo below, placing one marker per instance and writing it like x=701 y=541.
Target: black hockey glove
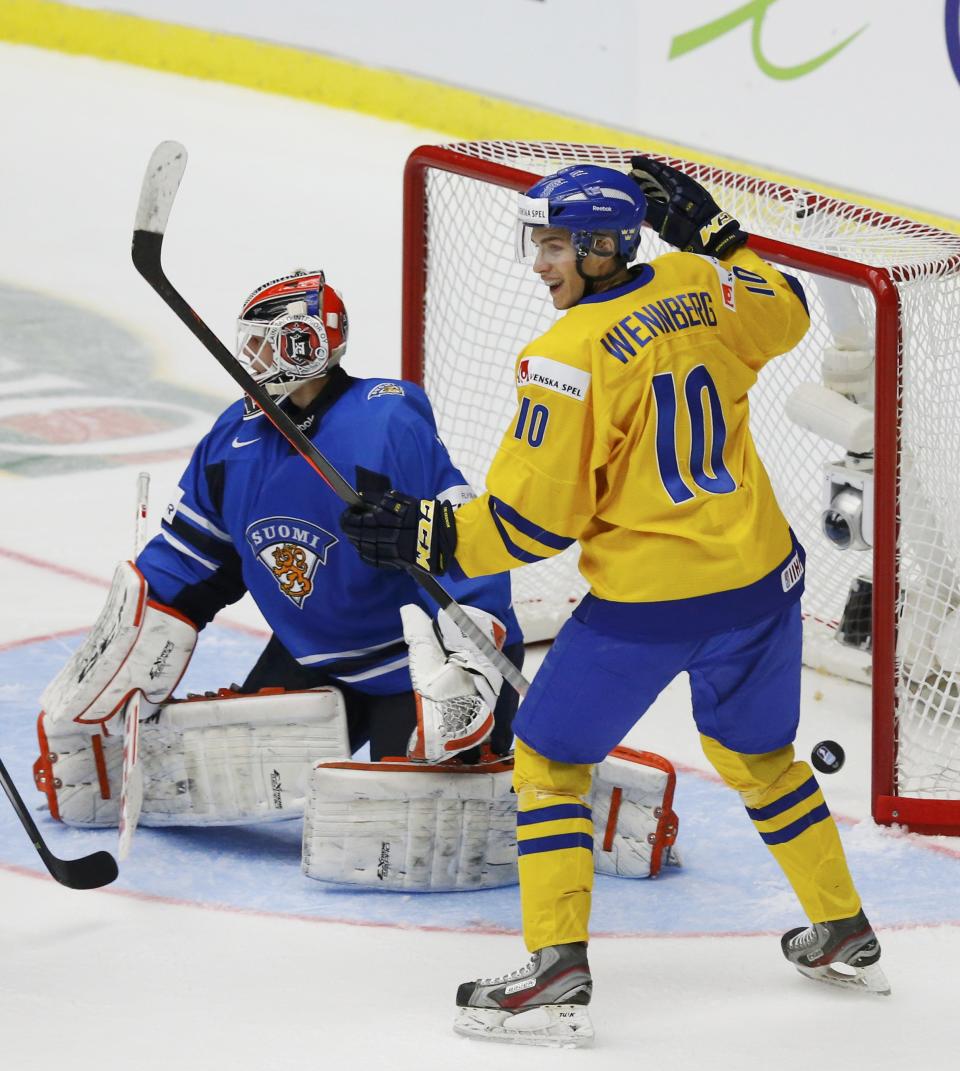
x=395 y=531
x=683 y=213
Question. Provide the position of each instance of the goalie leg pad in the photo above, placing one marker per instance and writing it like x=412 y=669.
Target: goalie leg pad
x=634 y=823
x=395 y=825
x=221 y=761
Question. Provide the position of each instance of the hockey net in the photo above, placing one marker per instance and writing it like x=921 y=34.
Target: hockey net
x=469 y=309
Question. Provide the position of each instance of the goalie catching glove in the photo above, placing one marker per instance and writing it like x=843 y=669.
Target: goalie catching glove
x=456 y=688
x=397 y=531
x=683 y=213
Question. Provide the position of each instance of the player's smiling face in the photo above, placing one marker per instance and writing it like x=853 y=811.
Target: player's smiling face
x=556 y=264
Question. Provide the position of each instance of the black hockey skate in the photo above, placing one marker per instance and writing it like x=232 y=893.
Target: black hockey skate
x=543 y=1003
x=844 y=952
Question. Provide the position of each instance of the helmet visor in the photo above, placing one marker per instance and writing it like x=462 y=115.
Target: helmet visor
x=533 y=213
x=525 y=247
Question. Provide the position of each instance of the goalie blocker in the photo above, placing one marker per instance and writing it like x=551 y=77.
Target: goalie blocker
x=204 y=761
x=395 y=825
x=136 y=644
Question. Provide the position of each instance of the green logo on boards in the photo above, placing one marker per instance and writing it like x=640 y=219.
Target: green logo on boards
x=754 y=12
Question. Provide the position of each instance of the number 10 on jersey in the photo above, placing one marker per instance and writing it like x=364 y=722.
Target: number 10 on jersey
x=699 y=392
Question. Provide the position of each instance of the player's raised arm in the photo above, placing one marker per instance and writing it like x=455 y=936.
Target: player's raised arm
x=770 y=305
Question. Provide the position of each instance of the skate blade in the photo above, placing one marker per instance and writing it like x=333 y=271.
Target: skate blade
x=865 y=979
x=557 y=1026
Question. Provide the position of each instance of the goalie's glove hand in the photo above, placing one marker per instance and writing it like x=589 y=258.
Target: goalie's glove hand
x=456 y=688
x=683 y=212
x=397 y=531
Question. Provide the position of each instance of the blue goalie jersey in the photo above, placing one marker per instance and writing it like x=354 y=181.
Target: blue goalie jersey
x=252 y=515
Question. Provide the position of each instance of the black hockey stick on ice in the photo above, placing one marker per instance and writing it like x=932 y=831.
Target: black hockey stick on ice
x=160 y=185
x=89 y=872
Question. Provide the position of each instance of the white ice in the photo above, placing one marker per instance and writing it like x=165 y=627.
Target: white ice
x=119 y=980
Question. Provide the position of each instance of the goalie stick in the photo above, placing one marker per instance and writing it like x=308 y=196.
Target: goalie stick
x=131 y=775
x=160 y=185
x=88 y=872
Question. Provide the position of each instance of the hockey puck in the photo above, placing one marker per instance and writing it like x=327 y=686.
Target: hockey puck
x=827 y=756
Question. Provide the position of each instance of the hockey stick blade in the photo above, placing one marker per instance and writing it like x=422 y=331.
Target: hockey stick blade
x=131 y=773
x=88 y=872
x=165 y=170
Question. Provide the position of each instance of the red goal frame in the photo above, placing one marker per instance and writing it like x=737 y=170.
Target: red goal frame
x=920 y=815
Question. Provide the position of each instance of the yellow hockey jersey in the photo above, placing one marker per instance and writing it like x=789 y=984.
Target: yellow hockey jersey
x=632 y=437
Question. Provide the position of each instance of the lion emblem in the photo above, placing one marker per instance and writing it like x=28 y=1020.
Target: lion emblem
x=291 y=569
x=291 y=549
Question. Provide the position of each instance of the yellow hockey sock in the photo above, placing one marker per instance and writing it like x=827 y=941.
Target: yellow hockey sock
x=787 y=807
x=555 y=845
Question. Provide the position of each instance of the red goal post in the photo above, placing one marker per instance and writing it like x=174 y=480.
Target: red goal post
x=468 y=309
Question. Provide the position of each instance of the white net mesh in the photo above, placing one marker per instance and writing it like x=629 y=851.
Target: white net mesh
x=482 y=308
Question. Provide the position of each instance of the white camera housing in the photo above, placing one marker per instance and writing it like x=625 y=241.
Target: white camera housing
x=847 y=518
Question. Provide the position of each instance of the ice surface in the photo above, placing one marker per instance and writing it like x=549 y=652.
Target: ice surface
x=212 y=950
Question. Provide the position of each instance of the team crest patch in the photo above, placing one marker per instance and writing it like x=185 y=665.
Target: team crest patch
x=383 y=389
x=292 y=550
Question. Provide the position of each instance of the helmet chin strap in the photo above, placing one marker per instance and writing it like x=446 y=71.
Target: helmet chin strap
x=591 y=281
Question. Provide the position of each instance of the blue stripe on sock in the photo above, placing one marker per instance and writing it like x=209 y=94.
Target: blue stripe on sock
x=551 y=814
x=791 y=799
x=781 y=836
x=555 y=843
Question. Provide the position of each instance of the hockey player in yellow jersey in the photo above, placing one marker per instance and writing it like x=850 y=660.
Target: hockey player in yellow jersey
x=631 y=436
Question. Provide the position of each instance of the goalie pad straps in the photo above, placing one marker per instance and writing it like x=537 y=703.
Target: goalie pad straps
x=455 y=687
x=412 y=827
x=135 y=643
x=234 y=758
x=634 y=823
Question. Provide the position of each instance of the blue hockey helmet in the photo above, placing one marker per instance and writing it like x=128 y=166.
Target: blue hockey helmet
x=586 y=200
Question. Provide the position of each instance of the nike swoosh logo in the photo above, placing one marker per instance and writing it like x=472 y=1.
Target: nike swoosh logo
x=237 y=443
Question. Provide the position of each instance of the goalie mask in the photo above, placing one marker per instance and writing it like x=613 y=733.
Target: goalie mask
x=291 y=330
x=590 y=202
